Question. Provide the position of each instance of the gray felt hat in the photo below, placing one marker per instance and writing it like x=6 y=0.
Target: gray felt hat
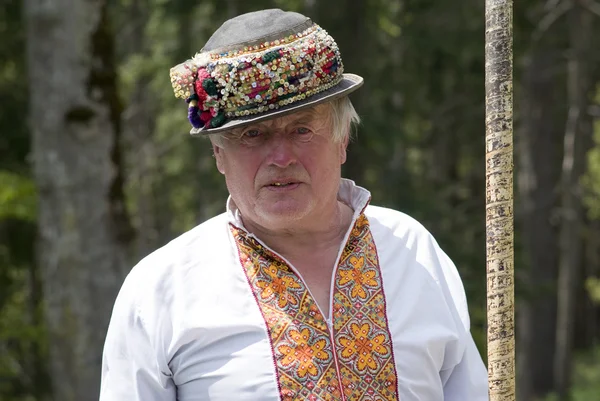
x=258 y=66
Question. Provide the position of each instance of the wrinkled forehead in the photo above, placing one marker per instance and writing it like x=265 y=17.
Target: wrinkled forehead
x=320 y=114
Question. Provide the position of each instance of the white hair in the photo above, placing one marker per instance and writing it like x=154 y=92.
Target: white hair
x=343 y=118
x=342 y=115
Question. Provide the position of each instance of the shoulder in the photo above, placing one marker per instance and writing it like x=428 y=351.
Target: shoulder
x=394 y=229
x=207 y=236
x=154 y=280
x=399 y=228
x=394 y=220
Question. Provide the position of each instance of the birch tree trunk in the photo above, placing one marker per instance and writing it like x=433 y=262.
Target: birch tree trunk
x=577 y=141
x=83 y=228
x=499 y=199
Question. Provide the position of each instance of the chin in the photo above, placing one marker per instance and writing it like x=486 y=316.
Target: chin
x=281 y=214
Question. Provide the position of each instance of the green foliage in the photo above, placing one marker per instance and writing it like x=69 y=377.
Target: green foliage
x=20 y=339
x=592 y=285
x=586 y=385
x=17 y=197
x=586 y=377
x=591 y=181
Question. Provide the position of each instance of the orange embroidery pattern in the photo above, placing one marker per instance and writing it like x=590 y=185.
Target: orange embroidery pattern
x=299 y=335
x=360 y=323
x=354 y=360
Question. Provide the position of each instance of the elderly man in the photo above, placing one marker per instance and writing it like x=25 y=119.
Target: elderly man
x=302 y=290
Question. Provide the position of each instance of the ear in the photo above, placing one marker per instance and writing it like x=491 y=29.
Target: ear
x=218 y=154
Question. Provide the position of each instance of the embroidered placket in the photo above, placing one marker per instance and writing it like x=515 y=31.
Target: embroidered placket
x=348 y=356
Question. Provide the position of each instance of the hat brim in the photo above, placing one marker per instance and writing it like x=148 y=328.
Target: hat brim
x=348 y=84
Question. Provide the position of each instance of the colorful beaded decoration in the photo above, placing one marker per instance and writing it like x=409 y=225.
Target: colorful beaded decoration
x=258 y=78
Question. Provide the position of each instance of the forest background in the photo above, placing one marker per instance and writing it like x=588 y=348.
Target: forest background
x=97 y=169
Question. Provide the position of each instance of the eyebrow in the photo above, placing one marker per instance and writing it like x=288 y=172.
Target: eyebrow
x=300 y=117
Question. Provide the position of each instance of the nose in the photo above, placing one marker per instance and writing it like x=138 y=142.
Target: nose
x=281 y=151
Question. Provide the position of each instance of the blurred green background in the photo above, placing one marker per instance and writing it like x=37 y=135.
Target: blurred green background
x=97 y=169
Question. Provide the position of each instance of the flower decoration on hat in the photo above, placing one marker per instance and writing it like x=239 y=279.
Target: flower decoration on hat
x=258 y=78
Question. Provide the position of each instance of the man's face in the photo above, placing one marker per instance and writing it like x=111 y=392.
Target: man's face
x=284 y=172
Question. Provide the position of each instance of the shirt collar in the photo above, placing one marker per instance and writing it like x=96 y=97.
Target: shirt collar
x=356 y=197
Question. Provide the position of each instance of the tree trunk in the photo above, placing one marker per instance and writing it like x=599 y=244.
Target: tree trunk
x=84 y=229
x=499 y=198
x=577 y=141
x=39 y=358
x=538 y=156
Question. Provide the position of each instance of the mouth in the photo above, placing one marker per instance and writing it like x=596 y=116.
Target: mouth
x=285 y=184
x=282 y=184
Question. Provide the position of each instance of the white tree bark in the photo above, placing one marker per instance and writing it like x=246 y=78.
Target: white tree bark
x=499 y=199
x=83 y=226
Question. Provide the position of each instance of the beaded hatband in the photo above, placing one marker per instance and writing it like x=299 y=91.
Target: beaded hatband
x=258 y=78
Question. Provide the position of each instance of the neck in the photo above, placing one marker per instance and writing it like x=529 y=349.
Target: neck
x=325 y=233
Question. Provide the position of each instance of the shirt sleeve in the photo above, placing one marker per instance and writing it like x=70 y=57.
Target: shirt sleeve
x=468 y=379
x=131 y=366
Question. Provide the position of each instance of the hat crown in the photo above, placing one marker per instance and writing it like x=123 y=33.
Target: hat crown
x=258 y=65
x=255 y=28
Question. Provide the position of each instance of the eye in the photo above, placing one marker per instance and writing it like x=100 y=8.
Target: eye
x=253 y=136
x=303 y=134
x=251 y=133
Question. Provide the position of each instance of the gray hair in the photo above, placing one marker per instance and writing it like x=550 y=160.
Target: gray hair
x=344 y=118
x=342 y=114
